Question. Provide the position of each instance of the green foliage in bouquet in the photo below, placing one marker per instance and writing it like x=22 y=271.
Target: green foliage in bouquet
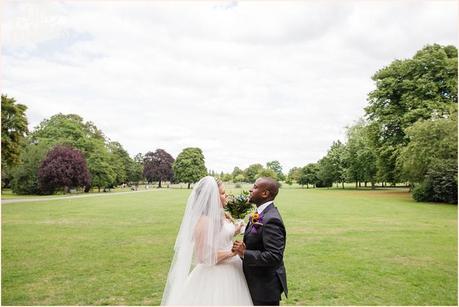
x=238 y=205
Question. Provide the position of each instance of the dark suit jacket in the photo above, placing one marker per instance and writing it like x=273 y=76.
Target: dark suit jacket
x=263 y=259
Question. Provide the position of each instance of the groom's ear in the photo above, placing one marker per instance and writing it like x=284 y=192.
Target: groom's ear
x=266 y=193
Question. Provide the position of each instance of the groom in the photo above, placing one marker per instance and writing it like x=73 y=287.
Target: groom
x=263 y=247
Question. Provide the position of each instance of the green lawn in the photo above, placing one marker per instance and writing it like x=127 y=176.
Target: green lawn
x=343 y=248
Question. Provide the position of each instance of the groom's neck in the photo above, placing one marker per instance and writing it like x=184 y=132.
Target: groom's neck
x=268 y=200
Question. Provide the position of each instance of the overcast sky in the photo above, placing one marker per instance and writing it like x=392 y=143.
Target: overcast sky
x=247 y=82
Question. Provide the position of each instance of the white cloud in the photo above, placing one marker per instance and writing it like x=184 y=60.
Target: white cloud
x=247 y=82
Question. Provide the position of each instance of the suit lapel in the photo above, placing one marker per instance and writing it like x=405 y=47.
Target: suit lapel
x=249 y=224
x=247 y=228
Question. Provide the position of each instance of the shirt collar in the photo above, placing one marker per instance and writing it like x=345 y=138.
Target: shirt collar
x=263 y=207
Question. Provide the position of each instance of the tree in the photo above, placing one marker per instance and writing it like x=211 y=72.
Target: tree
x=277 y=168
x=429 y=161
x=308 y=175
x=325 y=173
x=239 y=178
x=251 y=172
x=25 y=178
x=135 y=169
x=158 y=166
x=440 y=183
x=189 y=166
x=120 y=161
x=361 y=157
x=71 y=130
x=102 y=174
x=226 y=177
x=14 y=130
x=63 y=167
x=336 y=157
x=430 y=140
x=293 y=175
x=267 y=172
x=238 y=175
x=423 y=87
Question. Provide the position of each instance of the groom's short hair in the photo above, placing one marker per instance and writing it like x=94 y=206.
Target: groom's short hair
x=271 y=185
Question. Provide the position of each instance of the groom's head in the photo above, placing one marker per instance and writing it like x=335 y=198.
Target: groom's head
x=264 y=189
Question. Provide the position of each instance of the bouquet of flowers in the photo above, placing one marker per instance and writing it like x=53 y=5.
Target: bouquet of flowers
x=238 y=205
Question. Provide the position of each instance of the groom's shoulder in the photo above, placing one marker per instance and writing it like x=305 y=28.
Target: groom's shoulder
x=274 y=213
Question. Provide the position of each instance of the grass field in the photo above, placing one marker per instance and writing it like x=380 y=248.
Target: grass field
x=343 y=248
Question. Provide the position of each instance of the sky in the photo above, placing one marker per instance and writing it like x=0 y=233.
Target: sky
x=245 y=81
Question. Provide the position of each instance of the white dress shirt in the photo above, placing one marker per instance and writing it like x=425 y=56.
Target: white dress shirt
x=263 y=207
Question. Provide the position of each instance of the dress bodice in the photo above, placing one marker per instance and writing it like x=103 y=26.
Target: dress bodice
x=226 y=235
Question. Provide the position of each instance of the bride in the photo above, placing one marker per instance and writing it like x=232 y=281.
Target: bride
x=204 y=270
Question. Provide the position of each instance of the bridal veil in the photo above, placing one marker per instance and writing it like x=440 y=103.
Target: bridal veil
x=197 y=239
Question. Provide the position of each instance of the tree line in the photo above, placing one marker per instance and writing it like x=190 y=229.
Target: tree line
x=64 y=152
x=408 y=134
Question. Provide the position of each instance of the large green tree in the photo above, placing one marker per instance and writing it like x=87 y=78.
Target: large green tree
x=422 y=87
x=308 y=175
x=25 y=175
x=238 y=175
x=336 y=158
x=361 y=156
x=69 y=129
x=14 y=130
x=252 y=172
x=293 y=175
x=72 y=130
x=135 y=170
x=189 y=166
x=429 y=140
x=121 y=162
x=277 y=168
x=268 y=172
x=102 y=173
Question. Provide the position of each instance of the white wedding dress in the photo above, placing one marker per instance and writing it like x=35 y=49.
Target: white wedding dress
x=220 y=284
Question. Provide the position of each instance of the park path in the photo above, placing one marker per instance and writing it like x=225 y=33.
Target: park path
x=26 y=200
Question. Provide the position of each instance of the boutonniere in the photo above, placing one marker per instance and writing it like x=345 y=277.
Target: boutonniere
x=256 y=219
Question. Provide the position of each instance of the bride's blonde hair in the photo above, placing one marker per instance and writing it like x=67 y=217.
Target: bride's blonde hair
x=227 y=214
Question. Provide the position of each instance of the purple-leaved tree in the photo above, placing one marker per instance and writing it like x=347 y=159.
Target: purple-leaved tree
x=63 y=167
x=158 y=166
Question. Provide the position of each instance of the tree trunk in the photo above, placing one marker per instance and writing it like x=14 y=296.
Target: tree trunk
x=365 y=184
x=159 y=184
x=98 y=188
x=356 y=185
x=342 y=183
x=307 y=186
x=372 y=185
x=189 y=183
x=360 y=184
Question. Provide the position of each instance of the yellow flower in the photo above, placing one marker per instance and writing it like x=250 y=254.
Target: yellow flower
x=255 y=217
